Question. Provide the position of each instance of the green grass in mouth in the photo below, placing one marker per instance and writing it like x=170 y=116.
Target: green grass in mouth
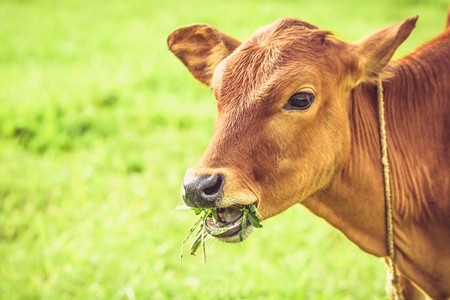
x=249 y=213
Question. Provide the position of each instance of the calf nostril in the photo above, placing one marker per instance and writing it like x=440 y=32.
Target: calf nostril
x=202 y=191
x=214 y=186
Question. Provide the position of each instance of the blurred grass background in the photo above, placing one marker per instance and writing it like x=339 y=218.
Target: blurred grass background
x=98 y=122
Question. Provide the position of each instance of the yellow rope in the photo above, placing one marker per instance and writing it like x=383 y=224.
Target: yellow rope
x=387 y=194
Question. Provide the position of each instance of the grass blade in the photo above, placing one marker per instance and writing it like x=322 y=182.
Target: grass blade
x=187 y=237
x=254 y=220
x=218 y=231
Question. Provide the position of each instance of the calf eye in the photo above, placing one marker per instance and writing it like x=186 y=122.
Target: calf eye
x=299 y=101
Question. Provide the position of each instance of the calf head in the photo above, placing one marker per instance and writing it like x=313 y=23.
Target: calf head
x=282 y=129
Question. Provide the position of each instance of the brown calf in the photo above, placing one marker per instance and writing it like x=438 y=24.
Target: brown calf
x=297 y=123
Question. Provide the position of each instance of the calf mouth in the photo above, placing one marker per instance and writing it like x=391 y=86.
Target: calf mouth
x=229 y=224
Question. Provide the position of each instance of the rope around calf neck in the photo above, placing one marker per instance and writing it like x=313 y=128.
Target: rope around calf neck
x=387 y=194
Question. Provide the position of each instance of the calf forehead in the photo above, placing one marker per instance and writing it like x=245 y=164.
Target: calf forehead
x=266 y=62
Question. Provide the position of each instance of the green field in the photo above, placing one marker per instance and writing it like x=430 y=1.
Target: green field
x=98 y=123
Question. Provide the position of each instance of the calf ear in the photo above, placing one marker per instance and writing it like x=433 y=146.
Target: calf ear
x=201 y=48
x=376 y=50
